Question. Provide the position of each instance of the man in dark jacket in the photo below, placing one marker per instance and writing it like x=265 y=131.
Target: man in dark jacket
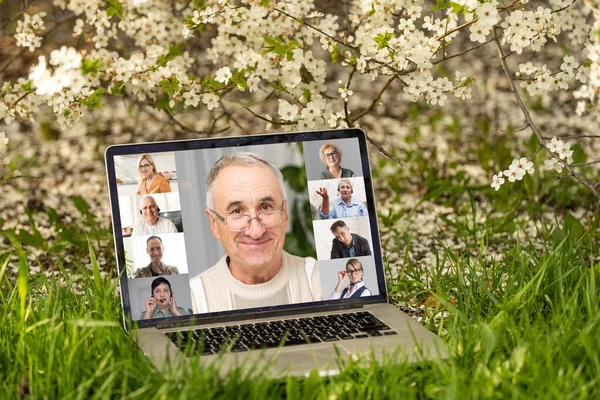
x=347 y=244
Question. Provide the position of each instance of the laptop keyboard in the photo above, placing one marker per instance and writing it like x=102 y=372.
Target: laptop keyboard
x=289 y=332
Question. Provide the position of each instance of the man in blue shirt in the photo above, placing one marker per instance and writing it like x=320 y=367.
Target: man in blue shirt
x=343 y=206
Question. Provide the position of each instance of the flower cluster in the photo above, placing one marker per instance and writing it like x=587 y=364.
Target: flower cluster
x=65 y=72
x=560 y=150
x=515 y=172
x=487 y=17
x=541 y=80
x=588 y=94
x=28 y=31
x=282 y=58
x=528 y=28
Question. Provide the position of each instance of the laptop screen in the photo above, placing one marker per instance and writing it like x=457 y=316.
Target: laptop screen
x=222 y=226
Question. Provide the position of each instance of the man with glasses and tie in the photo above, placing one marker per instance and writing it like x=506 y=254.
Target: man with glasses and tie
x=247 y=212
x=356 y=288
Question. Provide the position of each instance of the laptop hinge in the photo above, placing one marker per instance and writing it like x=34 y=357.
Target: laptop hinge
x=248 y=317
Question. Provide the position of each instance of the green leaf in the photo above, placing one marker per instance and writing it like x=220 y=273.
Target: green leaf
x=573 y=227
x=383 y=40
x=170 y=86
x=335 y=54
x=174 y=51
x=163 y=103
x=91 y=67
x=295 y=177
x=579 y=155
x=488 y=338
x=118 y=88
x=278 y=86
x=457 y=8
x=307 y=95
x=115 y=8
x=27 y=86
x=93 y=101
x=80 y=204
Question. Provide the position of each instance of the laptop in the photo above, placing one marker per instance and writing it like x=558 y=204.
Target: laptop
x=294 y=291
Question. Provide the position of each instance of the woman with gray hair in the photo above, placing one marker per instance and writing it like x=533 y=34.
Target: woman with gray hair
x=331 y=155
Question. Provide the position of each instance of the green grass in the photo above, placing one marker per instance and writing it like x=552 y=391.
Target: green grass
x=523 y=325
x=526 y=326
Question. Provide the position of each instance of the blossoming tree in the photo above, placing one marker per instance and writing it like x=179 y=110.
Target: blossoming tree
x=206 y=65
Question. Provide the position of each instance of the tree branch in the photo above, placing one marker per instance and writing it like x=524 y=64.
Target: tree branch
x=385 y=152
x=531 y=124
x=270 y=120
x=184 y=128
x=376 y=99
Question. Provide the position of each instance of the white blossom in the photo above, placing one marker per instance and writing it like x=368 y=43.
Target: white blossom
x=223 y=74
x=553 y=164
x=211 y=100
x=287 y=111
x=497 y=181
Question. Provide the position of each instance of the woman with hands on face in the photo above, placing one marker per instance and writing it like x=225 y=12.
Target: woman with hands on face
x=356 y=288
x=162 y=303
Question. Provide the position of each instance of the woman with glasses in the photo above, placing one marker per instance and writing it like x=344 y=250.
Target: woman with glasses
x=356 y=288
x=331 y=155
x=149 y=180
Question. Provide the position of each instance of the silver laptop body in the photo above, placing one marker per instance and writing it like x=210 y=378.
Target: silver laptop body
x=188 y=248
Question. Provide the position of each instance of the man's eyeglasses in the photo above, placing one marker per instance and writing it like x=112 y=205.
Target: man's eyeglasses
x=331 y=155
x=241 y=222
x=142 y=166
x=353 y=271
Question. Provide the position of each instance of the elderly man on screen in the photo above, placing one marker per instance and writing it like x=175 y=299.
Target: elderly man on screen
x=151 y=223
x=247 y=212
x=344 y=206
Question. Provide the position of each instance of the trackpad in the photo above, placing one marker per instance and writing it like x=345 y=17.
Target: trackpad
x=301 y=362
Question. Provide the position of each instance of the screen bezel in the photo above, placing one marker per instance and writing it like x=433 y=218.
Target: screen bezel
x=232 y=142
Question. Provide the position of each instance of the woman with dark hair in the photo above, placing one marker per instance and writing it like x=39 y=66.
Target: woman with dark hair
x=331 y=155
x=356 y=288
x=149 y=180
x=161 y=303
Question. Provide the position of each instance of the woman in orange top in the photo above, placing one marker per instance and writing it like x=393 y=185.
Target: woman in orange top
x=150 y=181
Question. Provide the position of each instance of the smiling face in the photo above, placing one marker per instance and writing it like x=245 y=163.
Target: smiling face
x=149 y=210
x=345 y=190
x=155 y=249
x=332 y=157
x=162 y=294
x=255 y=254
x=146 y=168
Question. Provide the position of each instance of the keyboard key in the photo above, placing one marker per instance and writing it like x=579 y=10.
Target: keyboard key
x=292 y=332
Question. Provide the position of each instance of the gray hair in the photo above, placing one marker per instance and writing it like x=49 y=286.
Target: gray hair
x=244 y=159
x=329 y=145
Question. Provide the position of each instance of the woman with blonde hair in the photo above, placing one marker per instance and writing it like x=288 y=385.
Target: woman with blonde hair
x=331 y=155
x=356 y=288
x=149 y=180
